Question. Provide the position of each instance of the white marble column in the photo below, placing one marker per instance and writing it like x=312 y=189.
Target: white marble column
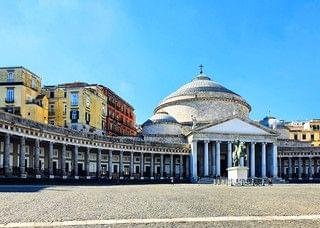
x=110 y=164
x=131 y=166
x=171 y=165
x=22 y=157
x=299 y=168
x=310 y=168
x=187 y=167
x=161 y=166
x=218 y=153
x=263 y=161
x=152 y=166
x=50 y=159
x=75 y=161
x=98 y=171
x=181 y=167
x=87 y=162
x=252 y=160
x=194 y=160
x=213 y=162
x=229 y=156
x=274 y=160
x=141 y=166
x=206 y=158
x=289 y=168
x=63 y=161
x=37 y=157
x=121 y=165
x=6 y=156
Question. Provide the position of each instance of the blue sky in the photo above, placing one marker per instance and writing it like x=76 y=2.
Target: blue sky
x=266 y=51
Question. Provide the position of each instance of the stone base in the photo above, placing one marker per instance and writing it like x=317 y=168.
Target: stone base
x=161 y=178
x=121 y=178
x=76 y=177
x=181 y=178
x=51 y=176
x=88 y=177
x=237 y=174
x=151 y=178
x=38 y=176
x=23 y=176
x=141 y=178
x=131 y=178
x=64 y=177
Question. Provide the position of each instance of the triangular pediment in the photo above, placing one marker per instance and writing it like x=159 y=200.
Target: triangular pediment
x=236 y=126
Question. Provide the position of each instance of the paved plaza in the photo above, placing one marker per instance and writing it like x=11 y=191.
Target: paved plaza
x=171 y=205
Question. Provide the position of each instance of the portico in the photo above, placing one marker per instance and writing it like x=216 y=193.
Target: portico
x=212 y=145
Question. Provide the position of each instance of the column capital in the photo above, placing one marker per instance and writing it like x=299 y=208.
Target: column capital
x=253 y=143
x=206 y=141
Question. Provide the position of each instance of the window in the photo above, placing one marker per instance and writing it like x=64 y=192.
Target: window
x=33 y=84
x=10 y=95
x=65 y=109
x=51 y=94
x=295 y=137
x=74 y=115
x=88 y=102
x=312 y=137
x=74 y=98
x=304 y=137
x=52 y=122
x=10 y=77
x=65 y=94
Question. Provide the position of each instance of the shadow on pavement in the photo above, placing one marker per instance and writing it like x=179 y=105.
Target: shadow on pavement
x=21 y=188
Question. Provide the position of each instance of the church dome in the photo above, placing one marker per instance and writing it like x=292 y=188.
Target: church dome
x=161 y=123
x=204 y=100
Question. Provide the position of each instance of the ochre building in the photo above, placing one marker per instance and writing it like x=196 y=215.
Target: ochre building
x=79 y=106
x=20 y=92
x=305 y=131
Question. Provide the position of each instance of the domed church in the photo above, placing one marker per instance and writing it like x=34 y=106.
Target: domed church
x=211 y=119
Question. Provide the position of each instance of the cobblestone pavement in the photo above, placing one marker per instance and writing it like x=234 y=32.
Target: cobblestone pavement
x=67 y=203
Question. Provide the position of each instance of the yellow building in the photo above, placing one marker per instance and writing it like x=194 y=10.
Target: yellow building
x=308 y=131
x=21 y=90
x=77 y=105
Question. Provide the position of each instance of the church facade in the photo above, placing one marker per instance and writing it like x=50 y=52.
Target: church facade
x=191 y=135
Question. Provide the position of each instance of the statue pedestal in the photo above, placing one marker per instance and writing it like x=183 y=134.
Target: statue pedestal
x=237 y=175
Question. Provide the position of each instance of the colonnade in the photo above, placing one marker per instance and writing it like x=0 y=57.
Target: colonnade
x=178 y=163
x=299 y=167
x=270 y=154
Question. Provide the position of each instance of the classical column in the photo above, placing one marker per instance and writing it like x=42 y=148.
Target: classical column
x=50 y=161
x=213 y=159
x=194 y=160
x=310 y=168
x=63 y=160
x=152 y=167
x=218 y=170
x=229 y=155
x=206 y=158
x=131 y=166
x=161 y=166
x=274 y=160
x=252 y=161
x=187 y=167
x=110 y=164
x=290 y=168
x=37 y=157
x=299 y=168
x=171 y=165
x=248 y=156
x=121 y=164
x=98 y=171
x=87 y=162
x=181 y=167
x=75 y=161
x=141 y=166
x=6 y=156
x=315 y=166
x=263 y=161
x=22 y=157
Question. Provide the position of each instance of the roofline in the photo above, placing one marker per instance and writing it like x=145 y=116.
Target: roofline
x=21 y=67
x=120 y=98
